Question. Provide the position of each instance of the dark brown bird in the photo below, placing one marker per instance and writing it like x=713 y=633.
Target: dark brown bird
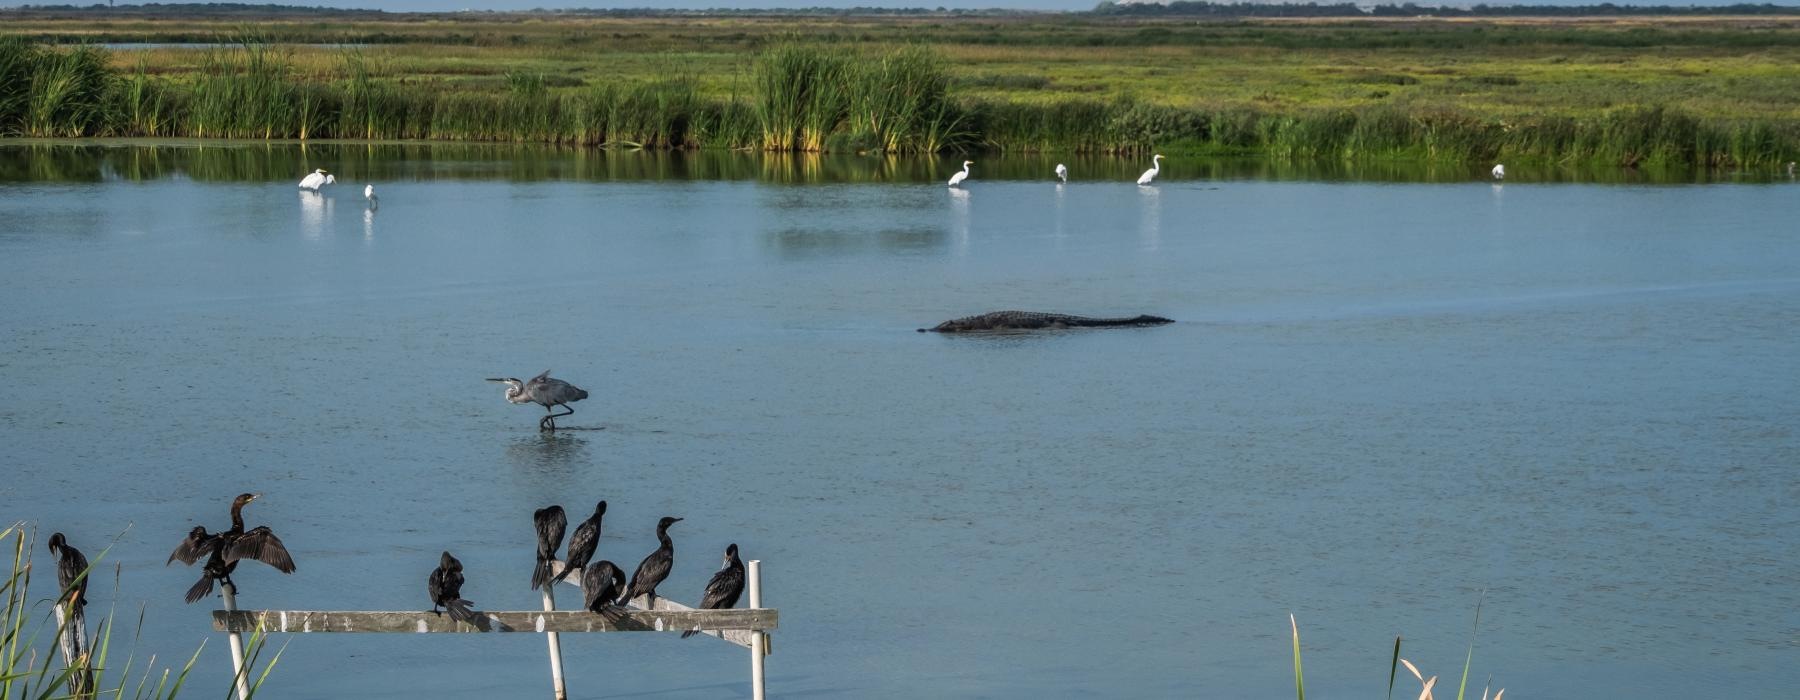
x=655 y=567
x=601 y=584
x=583 y=542
x=222 y=550
x=71 y=570
x=445 y=587
x=550 y=525
x=723 y=590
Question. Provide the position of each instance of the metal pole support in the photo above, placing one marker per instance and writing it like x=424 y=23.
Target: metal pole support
x=759 y=642
x=556 y=668
x=241 y=679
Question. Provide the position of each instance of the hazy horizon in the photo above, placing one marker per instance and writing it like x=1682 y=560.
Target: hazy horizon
x=1044 y=5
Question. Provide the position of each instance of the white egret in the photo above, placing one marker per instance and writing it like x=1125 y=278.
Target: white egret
x=956 y=180
x=1062 y=172
x=318 y=178
x=1500 y=171
x=369 y=194
x=1149 y=176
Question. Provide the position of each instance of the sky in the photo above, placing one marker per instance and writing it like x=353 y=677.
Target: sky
x=1056 y=5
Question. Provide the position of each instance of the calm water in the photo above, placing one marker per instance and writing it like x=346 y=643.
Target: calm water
x=1389 y=390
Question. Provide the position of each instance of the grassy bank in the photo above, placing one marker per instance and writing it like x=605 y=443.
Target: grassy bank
x=1674 y=92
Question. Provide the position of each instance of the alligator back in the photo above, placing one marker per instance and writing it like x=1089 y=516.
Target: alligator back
x=1035 y=320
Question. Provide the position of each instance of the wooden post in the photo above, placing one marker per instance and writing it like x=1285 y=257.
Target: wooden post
x=242 y=679
x=72 y=638
x=556 y=670
x=759 y=641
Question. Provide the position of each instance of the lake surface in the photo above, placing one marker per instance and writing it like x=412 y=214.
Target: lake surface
x=1389 y=390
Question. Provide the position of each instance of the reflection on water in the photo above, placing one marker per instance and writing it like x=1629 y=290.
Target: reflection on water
x=228 y=161
x=552 y=455
x=1150 y=217
x=315 y=214
x=369 y=223
x=959 y=219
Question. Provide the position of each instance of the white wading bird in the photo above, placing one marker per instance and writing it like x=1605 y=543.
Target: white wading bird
x=1149 y=176
x=957 y=179
x=318 y=178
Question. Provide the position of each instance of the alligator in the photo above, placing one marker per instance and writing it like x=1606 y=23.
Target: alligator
x=1034 y=320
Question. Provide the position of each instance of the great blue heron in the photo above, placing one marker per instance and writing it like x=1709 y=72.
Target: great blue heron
x=1062 y=172
x=957 y=179
x=546 y=392
x=223 y=550
x=445 y=587
x=1499 y=171
x=655 y=567
x=1149 y=176
x=316 y=179
x=723 y=590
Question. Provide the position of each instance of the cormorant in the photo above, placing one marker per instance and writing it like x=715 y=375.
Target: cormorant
x=550 y=525
x=70 y=565
x=223 y=550
x=723 y=590
x=445 y=587
x=655 y=567
x=583 y=543
x=600 y=585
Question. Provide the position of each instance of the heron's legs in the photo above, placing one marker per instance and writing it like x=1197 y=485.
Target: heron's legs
x=549 y=422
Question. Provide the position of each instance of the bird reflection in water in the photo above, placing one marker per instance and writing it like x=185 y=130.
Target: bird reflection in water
x=369 y=224
x=548 y=454
x=959 y=219
x=315 y=214
x=1150 y=222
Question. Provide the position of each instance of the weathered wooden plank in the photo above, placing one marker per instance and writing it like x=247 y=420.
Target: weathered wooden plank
x=742 y=638
x=626 y=620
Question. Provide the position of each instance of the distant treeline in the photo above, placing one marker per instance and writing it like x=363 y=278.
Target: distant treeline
x=1178 y=8
x=1188 y=8
x=813 y=98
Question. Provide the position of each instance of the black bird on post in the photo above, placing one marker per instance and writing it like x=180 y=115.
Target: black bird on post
x=601 y=584
x=445 y=587
x=655 y=567
x=70 y=567
x=223 y=550
x=546 y=392
x=550 y=525
x=723 y=590
x=583 y=543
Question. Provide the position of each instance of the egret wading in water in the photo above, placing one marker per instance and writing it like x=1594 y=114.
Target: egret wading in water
x=445 y=586
x=957 y=179
x=223 y=550
x=369 y=194
x=654 y=568
x=1149 y=176
x=723 y=590
x=318 y=178
x=546 y=392
x=70 y=567
x=1499 y=171
x=1062 y=172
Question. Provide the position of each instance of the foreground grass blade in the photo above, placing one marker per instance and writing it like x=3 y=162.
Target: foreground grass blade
x=1470 y=659
x=1299 y=678
x=1394 y=667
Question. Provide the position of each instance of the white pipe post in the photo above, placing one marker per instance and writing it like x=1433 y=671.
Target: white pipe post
x=229 y=593
x=758 y=640
x=72 y=638
x=556 y=671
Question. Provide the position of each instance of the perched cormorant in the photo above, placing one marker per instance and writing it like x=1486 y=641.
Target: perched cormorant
x=70 y=565
x=723 y=590
x=655 y=567
x=223 y=550
x=445 y=587
x=600 y=585
x=583 y=543
x=550 y=525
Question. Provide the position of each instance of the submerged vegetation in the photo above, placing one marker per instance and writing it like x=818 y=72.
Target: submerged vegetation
x=1703 y=95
